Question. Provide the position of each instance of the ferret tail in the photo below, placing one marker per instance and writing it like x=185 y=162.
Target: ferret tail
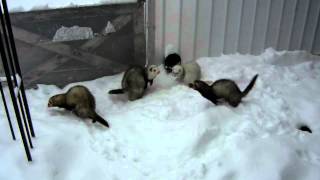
x=99 y=119
x=116 y=91
x=250 y=86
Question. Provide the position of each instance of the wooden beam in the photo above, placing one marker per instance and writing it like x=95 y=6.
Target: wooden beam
x=65 y=50
x=118 y=24
x=47 y=66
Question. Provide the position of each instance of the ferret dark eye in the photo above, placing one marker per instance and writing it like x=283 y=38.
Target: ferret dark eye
x=150 y=70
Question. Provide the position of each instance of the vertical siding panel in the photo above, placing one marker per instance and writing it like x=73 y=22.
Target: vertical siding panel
x=260 y=29
x=203 y=34
x=299 y=24
x=212 y=27
x=218 y=26
x=287 y=24
x=172 y=22
x=188 y=29
x=316 y=43
x=159 y=30
x=274 y=23
x=311 y=25
x=233 y=26
x=247 y=25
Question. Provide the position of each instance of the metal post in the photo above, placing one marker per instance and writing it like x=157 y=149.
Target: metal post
x=17 y=66
x=13 y=98
x=5 y=50
x=7 y=111
x=13 y=70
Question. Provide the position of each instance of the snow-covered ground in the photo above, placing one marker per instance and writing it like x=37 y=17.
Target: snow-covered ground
x=29 y=5
x=173 y=133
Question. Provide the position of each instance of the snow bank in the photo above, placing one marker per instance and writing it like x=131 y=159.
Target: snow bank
x=72 y=33
x=24 y=5
x=174 y=133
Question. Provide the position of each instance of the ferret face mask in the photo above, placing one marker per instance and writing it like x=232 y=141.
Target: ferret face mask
x=153 y=72
x=177 y=71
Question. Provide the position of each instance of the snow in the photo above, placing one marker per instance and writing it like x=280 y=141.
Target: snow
x=109 y=28
x=174 y=133
x=17 y=88
x=24 y=5
x=72 y=33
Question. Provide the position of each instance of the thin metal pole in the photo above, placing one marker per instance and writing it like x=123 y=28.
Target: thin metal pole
x=15 y=58
x=12 y=94
x=13 y=71
x=7 y=111
x=24 y=120
x=14 y=101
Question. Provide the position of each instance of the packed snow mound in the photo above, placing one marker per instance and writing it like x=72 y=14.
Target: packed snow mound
x=174 y=133
x=24 y=5
x=72 y=33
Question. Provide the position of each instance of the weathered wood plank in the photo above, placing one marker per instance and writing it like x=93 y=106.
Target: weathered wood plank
x=118 y=24
x=65 y=50
x=63 y=62
x=54 y=14
x=62 y=77
x=47 y=66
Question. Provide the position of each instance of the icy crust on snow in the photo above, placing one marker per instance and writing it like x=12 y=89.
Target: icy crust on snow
x=25 y=5
x=174 y=133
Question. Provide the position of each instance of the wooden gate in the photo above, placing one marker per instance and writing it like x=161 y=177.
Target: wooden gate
x=44 y=61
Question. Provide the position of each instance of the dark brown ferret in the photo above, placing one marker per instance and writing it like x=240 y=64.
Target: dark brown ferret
x=79 y=100
x=224 y=89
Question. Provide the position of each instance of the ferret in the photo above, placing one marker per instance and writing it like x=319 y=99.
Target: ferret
x=224 y=89
x=187 y=73
x=135 y=81
x=79 y=100
x=170 y=61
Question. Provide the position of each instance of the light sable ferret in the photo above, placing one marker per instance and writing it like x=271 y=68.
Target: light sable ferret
x=187 y=73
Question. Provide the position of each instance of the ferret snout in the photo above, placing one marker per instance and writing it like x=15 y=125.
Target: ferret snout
x=50 y=104
x=196 y=85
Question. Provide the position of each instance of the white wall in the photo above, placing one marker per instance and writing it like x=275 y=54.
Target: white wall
x=212 y=27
